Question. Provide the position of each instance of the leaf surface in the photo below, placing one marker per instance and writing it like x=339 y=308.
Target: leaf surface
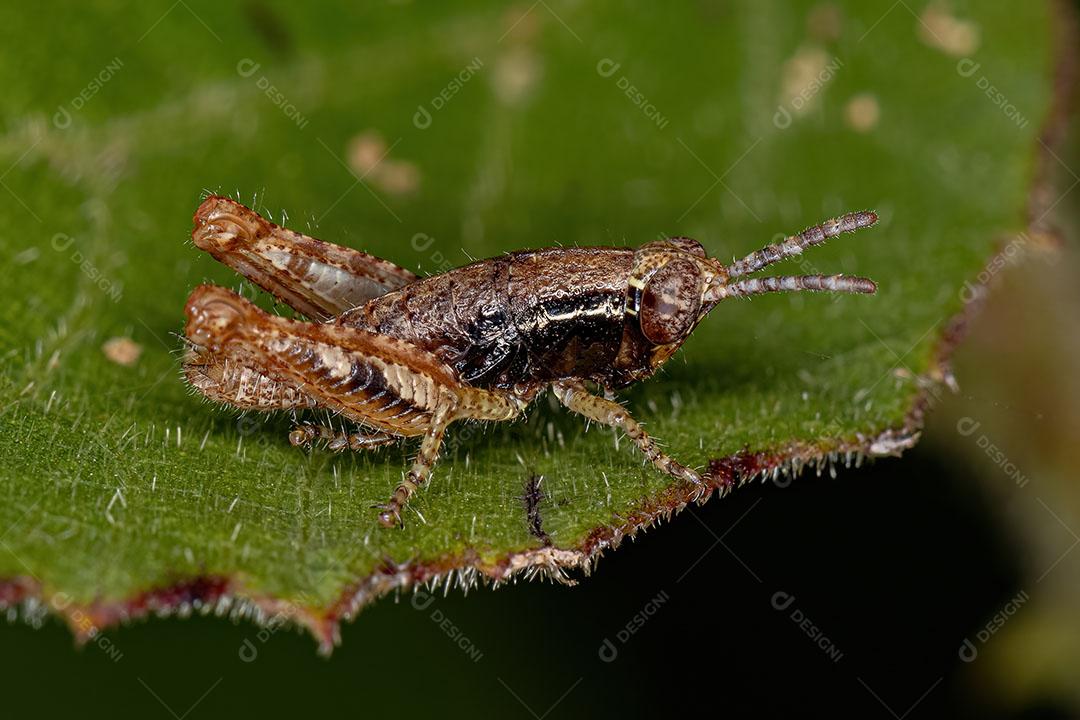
x=493 y=129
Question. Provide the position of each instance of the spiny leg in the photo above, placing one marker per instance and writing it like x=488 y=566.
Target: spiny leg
x=422 y=466
x=370 y=379
x=337 y=440
x=455 y=403
x=241 y=385
x=575 y=396
x=319 y=279
x=373 y=380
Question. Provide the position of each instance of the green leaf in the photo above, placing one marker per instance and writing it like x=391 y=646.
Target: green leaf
x=121 y=493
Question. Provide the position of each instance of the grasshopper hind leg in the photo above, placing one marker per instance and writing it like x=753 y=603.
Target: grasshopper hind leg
x=370 y=379
x=319 y=279
x=241 y=385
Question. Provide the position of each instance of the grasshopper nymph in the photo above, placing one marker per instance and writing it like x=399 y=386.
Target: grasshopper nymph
x=404 y=356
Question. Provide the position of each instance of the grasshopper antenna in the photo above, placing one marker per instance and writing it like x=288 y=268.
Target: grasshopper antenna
x=791 y=247
x=795 y=244
x=795 y=283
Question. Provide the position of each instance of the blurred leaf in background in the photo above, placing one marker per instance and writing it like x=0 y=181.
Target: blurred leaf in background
x=1015 y=422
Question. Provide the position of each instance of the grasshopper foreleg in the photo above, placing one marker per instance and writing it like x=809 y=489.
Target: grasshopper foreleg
x=305 y=434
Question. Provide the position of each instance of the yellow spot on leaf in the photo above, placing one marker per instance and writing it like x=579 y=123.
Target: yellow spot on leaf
x=122 y=351
x=369 y=157
x=940 y=29
x=516 y=74
x=862 y=113
x=804 y=77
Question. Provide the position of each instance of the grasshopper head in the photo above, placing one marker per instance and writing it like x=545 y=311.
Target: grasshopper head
x=674 y=284
x=667 y=288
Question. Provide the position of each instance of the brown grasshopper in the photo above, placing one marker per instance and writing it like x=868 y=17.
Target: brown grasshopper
x=404 y=356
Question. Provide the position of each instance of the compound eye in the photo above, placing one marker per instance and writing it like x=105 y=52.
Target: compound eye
x=670 y=302
x=689 y=245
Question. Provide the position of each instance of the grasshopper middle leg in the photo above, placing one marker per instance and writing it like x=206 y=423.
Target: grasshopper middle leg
x=575 y=396
x=422 y=466
x=457 y=403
